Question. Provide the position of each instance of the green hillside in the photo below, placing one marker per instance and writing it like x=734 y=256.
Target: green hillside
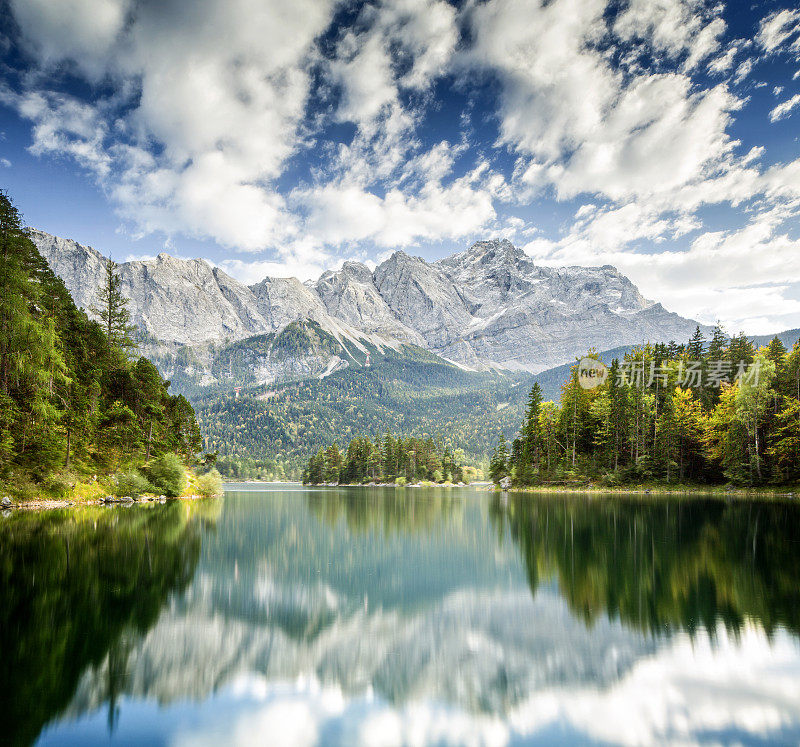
x=408 y=391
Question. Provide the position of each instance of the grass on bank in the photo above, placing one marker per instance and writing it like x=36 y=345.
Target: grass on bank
x=165 y=475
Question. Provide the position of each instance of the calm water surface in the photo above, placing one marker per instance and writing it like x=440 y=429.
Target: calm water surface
x=282 y=615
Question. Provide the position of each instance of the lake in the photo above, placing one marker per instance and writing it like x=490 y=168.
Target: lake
x=283 y=615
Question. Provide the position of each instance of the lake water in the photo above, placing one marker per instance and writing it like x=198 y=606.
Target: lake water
x=282 y=615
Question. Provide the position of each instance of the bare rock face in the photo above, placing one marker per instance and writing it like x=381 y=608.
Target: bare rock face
x=80 y=267
x=529 y=317
x=285 y=300
x=489 y=306
x=177 y=300
x=424 y=298
x=352 y=296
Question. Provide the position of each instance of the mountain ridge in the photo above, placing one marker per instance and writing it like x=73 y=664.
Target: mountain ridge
x=489 y=306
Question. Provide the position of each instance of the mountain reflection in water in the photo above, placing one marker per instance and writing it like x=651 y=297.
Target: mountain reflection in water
x=404 y=616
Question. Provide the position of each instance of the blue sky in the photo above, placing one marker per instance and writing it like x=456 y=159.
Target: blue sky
x=284 y=136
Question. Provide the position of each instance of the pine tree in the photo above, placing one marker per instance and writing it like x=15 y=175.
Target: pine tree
x=333 y=463
x=527 y=462
x=695 y=350
x=618 y=411
x=718 y=346
x=498 y=465
x=112 y=310
x=548 y=427
x=776 y=352
x=740 y=351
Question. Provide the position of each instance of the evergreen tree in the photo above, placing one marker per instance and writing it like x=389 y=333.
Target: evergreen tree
x=695 y=350
x=740 y=351
x=498 y=465
x=718 y=346
x=113 y=309
x=527 y=462
x=71 y=403
x=333 y=463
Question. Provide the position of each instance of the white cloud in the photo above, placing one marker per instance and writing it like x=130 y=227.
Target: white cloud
x=220 y=93
x=672 y=27
x=724 y=62
x=588 y=127
x=744 y=69
x=777 y=28
x=79 y=30
x=344 y=212
x=252 y=272
x=784 y=108
x=5 y=163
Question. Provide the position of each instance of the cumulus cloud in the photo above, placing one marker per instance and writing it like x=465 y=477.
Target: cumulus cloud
x=215 y=98
x=586 y=126
x=303 y=130
x=82 y=31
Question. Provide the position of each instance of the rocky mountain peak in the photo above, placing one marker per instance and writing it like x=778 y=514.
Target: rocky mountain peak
x=492 y=253
x=487 y=306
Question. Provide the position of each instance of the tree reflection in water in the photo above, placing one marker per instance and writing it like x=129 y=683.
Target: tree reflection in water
x=76 y=587
x=662 y=566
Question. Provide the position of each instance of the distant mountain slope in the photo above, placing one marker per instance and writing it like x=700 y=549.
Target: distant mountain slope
x=302 y=349
x=488 y=307
x=407 y=392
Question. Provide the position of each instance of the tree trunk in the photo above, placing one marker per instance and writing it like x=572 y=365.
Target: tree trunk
x=149 y=441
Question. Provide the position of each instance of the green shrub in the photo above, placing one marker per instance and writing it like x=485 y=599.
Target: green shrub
x=209 y=484
x=132 y=483
x=55 y=487
x=167 y=475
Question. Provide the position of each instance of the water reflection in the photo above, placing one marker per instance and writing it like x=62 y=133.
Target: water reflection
x=76 y=588
x=663 y=565
x=350 y=616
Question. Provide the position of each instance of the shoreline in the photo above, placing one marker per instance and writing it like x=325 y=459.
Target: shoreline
x=714 y=491
x=51 y=504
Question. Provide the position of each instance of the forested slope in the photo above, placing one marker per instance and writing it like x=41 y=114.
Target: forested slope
x=74 y=403
x=397 y=393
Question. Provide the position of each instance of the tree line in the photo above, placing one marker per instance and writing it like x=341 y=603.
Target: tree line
x=74 y=401
x=736 y=419
x=391 y=459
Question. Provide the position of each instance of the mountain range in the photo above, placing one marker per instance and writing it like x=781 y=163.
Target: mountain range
x=487 y=308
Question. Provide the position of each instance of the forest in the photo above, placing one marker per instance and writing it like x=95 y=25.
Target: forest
x=708 y=412
x=392 y=459
x=76 y=404
x=286 y=423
